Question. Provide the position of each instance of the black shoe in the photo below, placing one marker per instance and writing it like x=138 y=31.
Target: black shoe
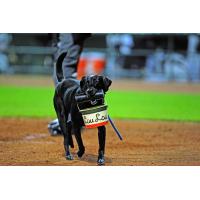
x=54 y=128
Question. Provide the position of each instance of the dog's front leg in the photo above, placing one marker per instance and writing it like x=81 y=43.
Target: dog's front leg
x=102 y=141
x=81 y=151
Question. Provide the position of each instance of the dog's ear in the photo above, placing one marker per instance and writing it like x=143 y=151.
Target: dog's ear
x=106 y=83
x=82 y=82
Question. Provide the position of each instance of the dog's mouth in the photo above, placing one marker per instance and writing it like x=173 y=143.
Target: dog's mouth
x=90 y=92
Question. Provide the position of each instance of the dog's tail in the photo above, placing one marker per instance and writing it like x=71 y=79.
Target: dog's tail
x=59 y=69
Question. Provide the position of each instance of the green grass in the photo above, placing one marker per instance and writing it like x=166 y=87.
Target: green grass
x=37 y=102
x=26 y=102
x=154 y=105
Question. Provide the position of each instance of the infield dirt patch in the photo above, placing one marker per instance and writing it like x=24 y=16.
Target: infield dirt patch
x=27 y=142
x=123 y=84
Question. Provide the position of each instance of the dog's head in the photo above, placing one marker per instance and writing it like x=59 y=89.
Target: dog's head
x=91 y=84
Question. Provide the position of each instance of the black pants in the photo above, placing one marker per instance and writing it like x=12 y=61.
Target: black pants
x=69 y=48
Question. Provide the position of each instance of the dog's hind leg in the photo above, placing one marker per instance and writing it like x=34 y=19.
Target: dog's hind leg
x=64 y=127
x=77 y=133
x=68 y=141
x=69 y=131
x=67 y=149
x=102 y=141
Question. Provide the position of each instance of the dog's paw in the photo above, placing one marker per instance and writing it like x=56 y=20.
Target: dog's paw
x=69 y=157
x=80 y=153
x=101 y=161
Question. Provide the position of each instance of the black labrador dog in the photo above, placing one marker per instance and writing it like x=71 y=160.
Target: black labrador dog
x=69 y=117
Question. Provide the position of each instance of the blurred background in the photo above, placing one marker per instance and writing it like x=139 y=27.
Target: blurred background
x=150 y=57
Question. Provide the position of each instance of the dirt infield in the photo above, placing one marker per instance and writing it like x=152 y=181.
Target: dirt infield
x=46 y=81
x=27 y=142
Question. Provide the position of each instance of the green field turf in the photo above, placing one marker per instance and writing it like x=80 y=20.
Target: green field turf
x=37 y=102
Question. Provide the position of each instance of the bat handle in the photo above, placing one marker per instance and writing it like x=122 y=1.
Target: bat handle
x=114 y=127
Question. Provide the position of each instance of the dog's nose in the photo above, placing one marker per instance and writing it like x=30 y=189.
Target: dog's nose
x=90 y=92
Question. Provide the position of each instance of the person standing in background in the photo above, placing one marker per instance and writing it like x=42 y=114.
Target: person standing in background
x=5 y=40
x=193 y=58
x=69 y=48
